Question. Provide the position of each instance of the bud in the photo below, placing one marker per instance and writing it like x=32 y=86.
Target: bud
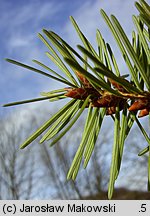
x=144 y=112
x=117 y=86
x=77 y=93
x=108 y=101
x=84 y=80
x=139 y=105
x=111 y=110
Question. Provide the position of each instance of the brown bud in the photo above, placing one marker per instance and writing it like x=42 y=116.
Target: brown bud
x=143 y=112
x=83 y=79
x=108 y=101
x=77 y=93
x=111 y=110
x=139 y=105
x=95 y=104
x=117 y=86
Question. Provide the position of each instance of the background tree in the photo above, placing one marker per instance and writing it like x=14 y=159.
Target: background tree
x=16 y=176
x=40 y=172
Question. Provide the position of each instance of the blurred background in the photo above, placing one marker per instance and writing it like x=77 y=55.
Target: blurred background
x=39 y=172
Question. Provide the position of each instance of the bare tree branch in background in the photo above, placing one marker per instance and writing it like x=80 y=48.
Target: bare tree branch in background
x=16 y=171
x=39 y=172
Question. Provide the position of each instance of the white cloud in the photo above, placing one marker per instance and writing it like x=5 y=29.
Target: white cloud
x=19 y=41
x=19 y=28
x=21 y=23
x=34 y=12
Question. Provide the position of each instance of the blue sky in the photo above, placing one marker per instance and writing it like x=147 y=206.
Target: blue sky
x=22 y=20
